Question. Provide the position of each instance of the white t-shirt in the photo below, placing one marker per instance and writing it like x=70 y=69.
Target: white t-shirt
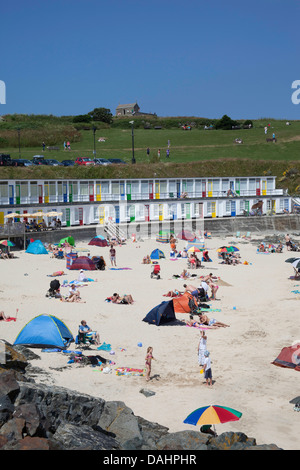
x=207 y=363
x=204 y=285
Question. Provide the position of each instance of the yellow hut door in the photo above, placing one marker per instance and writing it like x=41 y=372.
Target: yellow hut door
x=264 y=187
x=213 y=209
x=161 y=212
x=98 y=192
x=210 y=188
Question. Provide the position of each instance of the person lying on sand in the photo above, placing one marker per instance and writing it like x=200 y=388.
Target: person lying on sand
x=125 y=299
x=204 y=320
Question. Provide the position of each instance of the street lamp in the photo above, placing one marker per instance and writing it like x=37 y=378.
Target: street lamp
x=19 y=134
x=132 y=136
x=94 y=152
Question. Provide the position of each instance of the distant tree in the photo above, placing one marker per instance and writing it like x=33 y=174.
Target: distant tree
x=82 y=118
x=225 y=123
x=101 y=114
x=248 y=123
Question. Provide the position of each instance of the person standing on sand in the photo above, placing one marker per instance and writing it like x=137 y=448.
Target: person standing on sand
x=112 y=255
x=148 y=359
x=202 y=348
x=207 y=369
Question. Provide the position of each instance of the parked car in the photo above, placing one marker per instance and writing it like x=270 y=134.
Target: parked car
x=68 y=163
x=25 y=162
x=5 y=159
x=53 y=162
x=21 y=162
x=102 y=161
x=39 y=160
x=84 y=161
x=116 y=160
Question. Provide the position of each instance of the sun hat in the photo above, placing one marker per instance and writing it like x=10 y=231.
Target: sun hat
x=206 y=354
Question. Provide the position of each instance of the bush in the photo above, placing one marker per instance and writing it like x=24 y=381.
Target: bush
x=225 y=123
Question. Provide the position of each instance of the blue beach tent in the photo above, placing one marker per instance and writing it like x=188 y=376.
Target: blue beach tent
x=157 y=254
x=162 y=313
x=36 y=248
x=45 y=331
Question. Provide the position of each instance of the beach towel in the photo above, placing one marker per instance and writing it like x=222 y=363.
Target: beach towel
x=104 y=347
x=58 y=273
x=199 y=327
x=296 y=291
x=9 y=319
x=130 y=371
x=120 y=269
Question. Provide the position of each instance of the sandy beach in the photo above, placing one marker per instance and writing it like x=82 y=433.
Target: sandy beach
x=258 y=304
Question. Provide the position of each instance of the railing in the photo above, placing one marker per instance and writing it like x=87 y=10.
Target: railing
x=78 y=198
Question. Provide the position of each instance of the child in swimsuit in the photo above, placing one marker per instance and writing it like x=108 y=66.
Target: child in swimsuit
x=148 y=360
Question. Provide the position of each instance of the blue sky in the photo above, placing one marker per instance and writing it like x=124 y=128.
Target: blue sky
x=175 y=58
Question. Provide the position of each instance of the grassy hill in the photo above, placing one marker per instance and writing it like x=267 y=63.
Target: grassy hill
x=197 y=152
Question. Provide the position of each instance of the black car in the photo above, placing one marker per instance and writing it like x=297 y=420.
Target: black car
x=5 y=160
x=116 y=161
x=68 y=163
x=21 y=162
x=53 y=162
x=39 y=160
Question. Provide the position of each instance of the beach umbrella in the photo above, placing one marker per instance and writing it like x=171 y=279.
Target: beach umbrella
x=194 y=249
x=6 y=243
x=53 y=214
x=291 y=260
x=12 y=215
x=296 y=264
x=38 y=214
x=213 y=414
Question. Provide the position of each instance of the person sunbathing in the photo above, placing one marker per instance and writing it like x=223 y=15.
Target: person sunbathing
x=192 y=322
x=211 y=322
x=184 y=274
x=125 y=299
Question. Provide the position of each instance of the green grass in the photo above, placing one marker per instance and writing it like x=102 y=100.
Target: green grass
x=198 y=152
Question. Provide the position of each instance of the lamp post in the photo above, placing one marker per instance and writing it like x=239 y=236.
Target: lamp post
x=132 y=137
x=19 y=134
x=94 y=152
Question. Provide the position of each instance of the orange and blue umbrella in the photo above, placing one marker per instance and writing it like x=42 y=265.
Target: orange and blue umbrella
x=213 y=414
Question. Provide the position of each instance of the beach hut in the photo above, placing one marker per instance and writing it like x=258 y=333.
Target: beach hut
x=99 y=241
x=45 y=331
x=161 y=314
x=289 y=357
x=83 y=262
x=157 y=254
x=36 y=248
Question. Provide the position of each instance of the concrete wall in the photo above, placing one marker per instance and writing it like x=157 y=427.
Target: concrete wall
x=280 y=224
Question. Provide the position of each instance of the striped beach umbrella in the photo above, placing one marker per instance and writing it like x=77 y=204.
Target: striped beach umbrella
x=213 y=414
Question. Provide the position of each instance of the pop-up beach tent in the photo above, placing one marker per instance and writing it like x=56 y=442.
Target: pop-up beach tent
x=157 y=254
x=45 y=331
x=83 y=262
x=69 y=240
x=184 y=304
x=36 y=248
x=99 y=241
x=289 y=357
x=162 y=313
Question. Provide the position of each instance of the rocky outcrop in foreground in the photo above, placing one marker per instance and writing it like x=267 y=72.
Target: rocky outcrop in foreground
x=41 y=417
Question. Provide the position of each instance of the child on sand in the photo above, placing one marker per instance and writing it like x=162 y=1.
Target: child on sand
x=207 y=369
x=148 y=360
x=202 y=348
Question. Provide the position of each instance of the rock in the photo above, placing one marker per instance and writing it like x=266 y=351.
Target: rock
x=6 y=409
x=28 y=443
x=151 y=432
x=8 y=384
x=226 y=440
x=30 y=414
x=13 y=429
x=13 y=360
x=118 y=419
x=146 y=392
x=183 y=440
x=73 y=437
x=58 y=404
